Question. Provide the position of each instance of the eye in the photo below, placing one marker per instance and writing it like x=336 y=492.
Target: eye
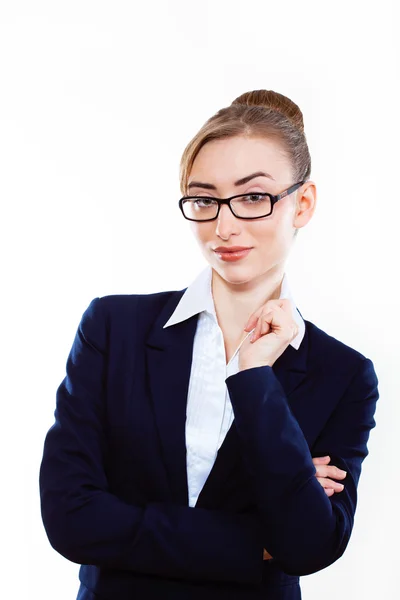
x=203 y=201
x=254 y=198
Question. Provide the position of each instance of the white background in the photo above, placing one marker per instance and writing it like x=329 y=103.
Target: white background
x=97 y=102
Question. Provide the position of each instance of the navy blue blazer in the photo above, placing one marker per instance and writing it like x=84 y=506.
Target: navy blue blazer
x=113 y=486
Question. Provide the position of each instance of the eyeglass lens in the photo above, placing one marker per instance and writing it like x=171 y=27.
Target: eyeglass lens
x=247 y=206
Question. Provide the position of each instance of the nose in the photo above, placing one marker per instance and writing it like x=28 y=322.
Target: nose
x=227 y=223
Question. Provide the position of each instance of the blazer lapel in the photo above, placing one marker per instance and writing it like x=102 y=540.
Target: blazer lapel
x=169 y=360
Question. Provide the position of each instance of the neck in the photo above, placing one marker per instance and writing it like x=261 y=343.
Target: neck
x=236 y=302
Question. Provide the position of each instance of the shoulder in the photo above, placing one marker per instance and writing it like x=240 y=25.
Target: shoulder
x=341 y=370
x=128 y=303
x=119 y=311
x=330 y=355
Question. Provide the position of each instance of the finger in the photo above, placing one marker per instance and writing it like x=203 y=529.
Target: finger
x=276 y=302
x=252 y=320
x=329 y=483
x=277 y=320
x=265 y=328
x=330 y=471
x=320 y=460
x=257 y=330
x=329 y=491
x=256 y=333
x=263 y=321
x=267 y=318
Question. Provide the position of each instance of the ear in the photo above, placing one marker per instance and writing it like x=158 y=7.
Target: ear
x=306 y=201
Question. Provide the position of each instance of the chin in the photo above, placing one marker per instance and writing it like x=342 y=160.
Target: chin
x=233 y=273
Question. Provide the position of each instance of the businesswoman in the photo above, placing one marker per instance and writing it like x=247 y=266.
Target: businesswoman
x=208 y=442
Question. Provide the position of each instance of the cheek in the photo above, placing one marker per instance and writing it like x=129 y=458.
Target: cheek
x=270 y=238
x=263 y=233
x=201 y=232
x=278 y=229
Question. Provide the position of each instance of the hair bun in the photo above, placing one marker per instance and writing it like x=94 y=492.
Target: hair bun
x=275 y=101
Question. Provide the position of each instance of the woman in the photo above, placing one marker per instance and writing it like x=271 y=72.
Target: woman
x=188 y=459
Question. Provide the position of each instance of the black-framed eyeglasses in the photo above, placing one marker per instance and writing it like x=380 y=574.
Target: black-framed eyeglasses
x=254 y=205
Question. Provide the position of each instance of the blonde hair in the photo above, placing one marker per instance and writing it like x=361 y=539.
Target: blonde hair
x=257 y=113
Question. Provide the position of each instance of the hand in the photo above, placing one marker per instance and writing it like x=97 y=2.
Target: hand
x=324 y=471
x=274 y=329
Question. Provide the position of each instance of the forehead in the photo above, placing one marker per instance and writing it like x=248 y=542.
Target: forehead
x=226 y=160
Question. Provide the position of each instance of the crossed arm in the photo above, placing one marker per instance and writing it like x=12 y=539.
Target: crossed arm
x=88 y=524
x=303 y=529
x=325 y=474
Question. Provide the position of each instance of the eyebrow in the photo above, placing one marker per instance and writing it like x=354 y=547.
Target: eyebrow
x=243 y=180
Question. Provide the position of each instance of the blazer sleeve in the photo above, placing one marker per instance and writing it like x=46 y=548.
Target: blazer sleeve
x=304 y=530
x=88 y=524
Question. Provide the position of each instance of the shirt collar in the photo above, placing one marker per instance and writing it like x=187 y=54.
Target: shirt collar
x=198 y=298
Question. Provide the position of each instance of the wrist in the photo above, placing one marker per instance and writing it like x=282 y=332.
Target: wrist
x=244 y=366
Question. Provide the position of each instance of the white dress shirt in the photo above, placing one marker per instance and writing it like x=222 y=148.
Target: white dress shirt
x=209 y=413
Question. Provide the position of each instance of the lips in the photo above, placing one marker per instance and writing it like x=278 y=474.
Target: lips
x=222 y=249
x=231 y=255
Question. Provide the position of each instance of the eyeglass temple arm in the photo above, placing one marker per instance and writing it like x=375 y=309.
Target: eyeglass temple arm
x=288 y=191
